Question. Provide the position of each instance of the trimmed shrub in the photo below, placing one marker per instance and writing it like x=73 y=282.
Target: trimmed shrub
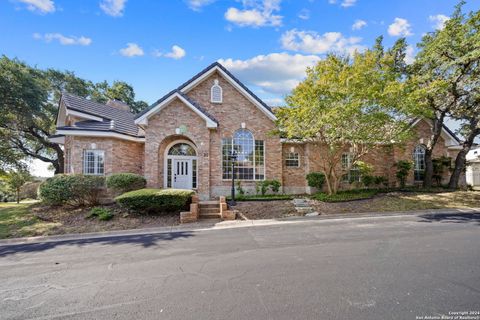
x=102 y=214
x=403 y=170
x=30 y=190
x=155 y=200
x=123 y=182
x=316 y=180
x=75 y=189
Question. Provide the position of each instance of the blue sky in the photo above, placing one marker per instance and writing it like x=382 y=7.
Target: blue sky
x=157 y=45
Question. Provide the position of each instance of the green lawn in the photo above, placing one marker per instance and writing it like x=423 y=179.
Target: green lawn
x=16 y=220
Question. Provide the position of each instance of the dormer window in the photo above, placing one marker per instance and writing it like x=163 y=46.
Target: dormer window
x=216 y=92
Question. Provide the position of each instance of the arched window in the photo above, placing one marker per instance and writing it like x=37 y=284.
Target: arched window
x=249 y=153
x=216 y=93
x=182 y=149
x=419 y=162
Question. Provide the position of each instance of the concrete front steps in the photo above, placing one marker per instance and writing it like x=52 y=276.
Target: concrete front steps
x=214 y=209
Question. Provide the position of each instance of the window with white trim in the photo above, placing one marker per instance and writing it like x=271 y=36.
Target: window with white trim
x=93 y=162
x=216 y=93
x=353 y=175
x=250 y=155
x=419 y=162
x=292 y=160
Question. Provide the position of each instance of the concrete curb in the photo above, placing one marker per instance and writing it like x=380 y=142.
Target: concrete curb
x=208 y=226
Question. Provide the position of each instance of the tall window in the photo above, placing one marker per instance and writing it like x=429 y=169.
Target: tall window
x=93 y=162
x=419 y=162
x=250 y=156
x=292 y=160
x=216 y=92
x=353 y=175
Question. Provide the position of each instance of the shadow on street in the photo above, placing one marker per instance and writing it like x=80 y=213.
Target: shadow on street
x=452 y=218
x=145 y=241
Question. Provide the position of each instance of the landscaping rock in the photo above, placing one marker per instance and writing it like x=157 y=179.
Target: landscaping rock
x=312 y=214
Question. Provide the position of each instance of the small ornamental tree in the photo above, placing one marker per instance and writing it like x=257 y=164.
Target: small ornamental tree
x=16 y=179
x=403 y=170
x=349 y=105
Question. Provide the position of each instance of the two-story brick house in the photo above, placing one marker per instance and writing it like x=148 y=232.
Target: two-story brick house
x=185 y=140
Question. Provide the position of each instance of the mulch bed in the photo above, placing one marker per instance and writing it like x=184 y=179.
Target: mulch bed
x=266 y=209
x=73 y=220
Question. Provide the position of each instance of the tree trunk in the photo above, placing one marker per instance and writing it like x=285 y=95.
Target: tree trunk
x=460 y=160
x=437 y=125
x=18 y=195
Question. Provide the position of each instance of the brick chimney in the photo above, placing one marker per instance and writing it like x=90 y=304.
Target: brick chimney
x=118 y=105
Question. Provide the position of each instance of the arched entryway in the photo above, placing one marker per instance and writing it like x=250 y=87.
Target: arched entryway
x=180 y=167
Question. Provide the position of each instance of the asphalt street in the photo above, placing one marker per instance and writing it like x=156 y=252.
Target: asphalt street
x=371 y=268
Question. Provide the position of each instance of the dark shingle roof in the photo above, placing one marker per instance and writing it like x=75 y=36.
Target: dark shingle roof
x=124 y=121
x=198 y=75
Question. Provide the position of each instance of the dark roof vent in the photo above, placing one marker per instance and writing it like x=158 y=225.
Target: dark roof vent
x=118 y=105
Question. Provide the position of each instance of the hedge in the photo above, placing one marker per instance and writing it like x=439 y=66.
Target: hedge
x=123 y=182
x=155 y=200
x=74 y=189
x=316 y=180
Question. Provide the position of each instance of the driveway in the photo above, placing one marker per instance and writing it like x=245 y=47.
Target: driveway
x=369 y=268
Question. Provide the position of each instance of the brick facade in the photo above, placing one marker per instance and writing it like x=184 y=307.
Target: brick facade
x=235 y=112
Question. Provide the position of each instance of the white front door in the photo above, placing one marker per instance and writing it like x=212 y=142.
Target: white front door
x=182 y=174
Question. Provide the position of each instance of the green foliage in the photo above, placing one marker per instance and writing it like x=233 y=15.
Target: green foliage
x=28 y=107
x=102 y=214
x=403 y=170
x=347 y=195
x=30 y=190
x=155 y=200
x=266 y=197
x=367 y=180
x=439 y=166
x=316 y=180
x=124 y=182
x=265 y=185
x=349 y=104
x=240 y=188
x=16 y=179
x=374 y=181
x=75 y=189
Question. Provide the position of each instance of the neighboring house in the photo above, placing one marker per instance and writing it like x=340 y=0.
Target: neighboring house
x=473 y=167
x=184 y=140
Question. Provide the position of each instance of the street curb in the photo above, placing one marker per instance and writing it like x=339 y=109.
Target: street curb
x=208 y=226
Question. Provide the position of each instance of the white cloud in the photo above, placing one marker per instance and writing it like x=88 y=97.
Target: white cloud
x=312 y=42
x=113 y=8
x=359 y=24
x=348 y=3
x=344 y=3
x=268 y=72
x=42 y=6
x=63 y=40
x=176 y=53
x=304 y=14
x=400 y=27
x=273 y=101
x=197 y=5
x=439 y=21
x=132 y=50
x=255 y=13
x=409 y=54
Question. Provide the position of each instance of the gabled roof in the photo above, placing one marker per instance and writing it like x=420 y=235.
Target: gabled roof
x=195 y=107
x=216 y=66
x=124 y=121
x=445 y=129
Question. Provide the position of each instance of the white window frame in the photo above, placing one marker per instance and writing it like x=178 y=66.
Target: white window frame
x=231 y=143
x=347 y=177
x=417 y=162
x=96 y=162
x=216 y=86
x=296 y=157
